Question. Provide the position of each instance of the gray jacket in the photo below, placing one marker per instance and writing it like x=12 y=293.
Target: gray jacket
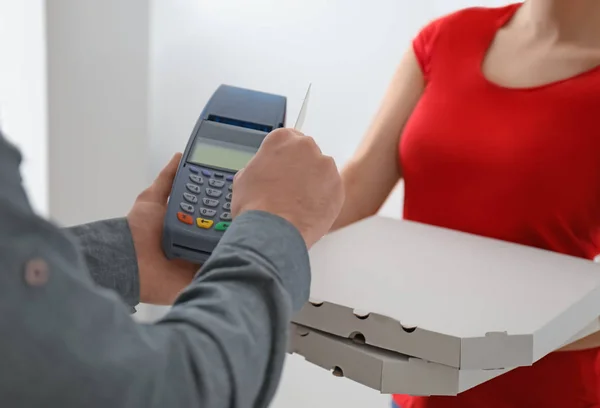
x=67 y=338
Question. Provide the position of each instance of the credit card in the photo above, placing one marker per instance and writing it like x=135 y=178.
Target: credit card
x=302 y=114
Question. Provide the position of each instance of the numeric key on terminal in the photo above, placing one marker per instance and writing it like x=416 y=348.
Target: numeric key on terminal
x=207 y=212
x=216 y=183
x=193 y=188
x=227 y=206
x=211 y=192
x=196 y=179
x=229 y=196
x=209 y=202
x=190 y=198
x=187 y=207
x=226 y=216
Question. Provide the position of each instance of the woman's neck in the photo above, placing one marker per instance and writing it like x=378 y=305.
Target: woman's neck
x=565 y=20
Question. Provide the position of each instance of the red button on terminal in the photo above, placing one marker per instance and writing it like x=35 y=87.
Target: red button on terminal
x=185 y=218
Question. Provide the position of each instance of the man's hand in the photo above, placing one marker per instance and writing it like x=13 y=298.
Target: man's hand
x=291 y=178
x=161 y=279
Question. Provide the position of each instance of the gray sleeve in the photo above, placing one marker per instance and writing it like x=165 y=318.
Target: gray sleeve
x=67 y=342
x=109 y=253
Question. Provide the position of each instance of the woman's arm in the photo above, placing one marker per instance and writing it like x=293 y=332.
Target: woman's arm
x=372 y=173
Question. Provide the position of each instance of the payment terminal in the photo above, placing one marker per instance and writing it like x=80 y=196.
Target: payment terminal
x=228 y=133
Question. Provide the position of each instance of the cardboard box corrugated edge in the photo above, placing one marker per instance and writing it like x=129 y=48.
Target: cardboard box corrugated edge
x=467 y=378
x=380 y=331
x=472 y=354
x=509 y=351
x=333 y=356
x=383 y=370
x=471 y=350
x=396 y=371
x=418 y=377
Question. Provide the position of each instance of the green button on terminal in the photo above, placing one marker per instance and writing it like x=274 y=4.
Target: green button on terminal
x=222 y=226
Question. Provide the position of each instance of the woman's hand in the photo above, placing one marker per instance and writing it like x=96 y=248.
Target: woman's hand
x=591 y=341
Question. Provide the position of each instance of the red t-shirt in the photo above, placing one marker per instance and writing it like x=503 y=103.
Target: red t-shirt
x=522 y=165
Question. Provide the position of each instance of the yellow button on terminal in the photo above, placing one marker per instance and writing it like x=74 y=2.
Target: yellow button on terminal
x=202 y=223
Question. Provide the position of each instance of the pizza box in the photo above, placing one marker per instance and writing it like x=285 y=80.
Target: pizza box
x=383 y=370
x=448 y=297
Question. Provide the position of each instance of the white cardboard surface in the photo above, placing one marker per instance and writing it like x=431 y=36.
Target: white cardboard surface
x=386 y=371
x=449 y=297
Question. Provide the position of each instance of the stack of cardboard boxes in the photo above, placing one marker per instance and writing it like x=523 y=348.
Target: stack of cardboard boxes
x=408 y=308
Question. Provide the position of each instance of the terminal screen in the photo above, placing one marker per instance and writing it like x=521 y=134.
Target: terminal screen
x=219 y=155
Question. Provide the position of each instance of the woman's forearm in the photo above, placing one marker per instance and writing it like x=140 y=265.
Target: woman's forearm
x=366 y=190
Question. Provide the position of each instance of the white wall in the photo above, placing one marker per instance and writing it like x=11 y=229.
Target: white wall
x=348 y=49
x=98 y=98
x=339 y=46
x=23 y=91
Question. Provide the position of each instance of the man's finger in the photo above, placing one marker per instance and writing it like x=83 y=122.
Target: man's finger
x=161 y=187
x=298 y=132
x=237 y=175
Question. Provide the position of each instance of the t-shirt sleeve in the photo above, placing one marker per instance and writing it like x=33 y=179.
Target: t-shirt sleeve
x=423 y=45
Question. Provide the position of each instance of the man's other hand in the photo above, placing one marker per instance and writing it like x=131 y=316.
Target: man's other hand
x=291 y=178
x=161 y=279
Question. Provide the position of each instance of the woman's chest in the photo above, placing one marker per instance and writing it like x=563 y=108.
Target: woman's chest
x=525 y=134
x=542 y=148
